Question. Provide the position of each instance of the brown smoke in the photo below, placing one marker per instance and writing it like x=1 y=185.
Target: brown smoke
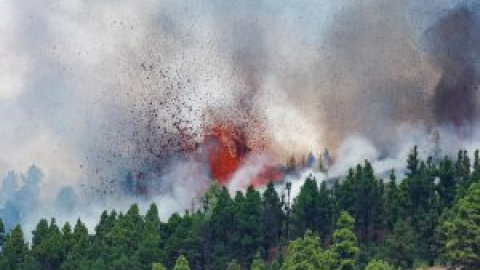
x=364 y=71
x=454 y=43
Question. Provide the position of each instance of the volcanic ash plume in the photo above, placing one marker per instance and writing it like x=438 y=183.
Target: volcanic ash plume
x=148 y=101
x=454 y=44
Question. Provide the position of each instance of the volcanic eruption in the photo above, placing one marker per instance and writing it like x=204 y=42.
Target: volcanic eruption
x=156 y=99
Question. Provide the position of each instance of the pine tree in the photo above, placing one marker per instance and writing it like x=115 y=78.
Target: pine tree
x=306 y=253
x=305 y=208
x=77 y=257
x=29 y=263
x=236 y=248
x=246 y=239
x=272 y=217
x=401 y=245
x=67 y=237
x=219 y=227
x=379 y=265
x=277 y=264
x=413 y=162
x=447 y=185
x=181 y=264
x=324 y=212
x=40 y=233
x=49 y=250
x=15 y=250
x=158 y=266
x=475 y=176
x=175 y=232
x=105 y=225
x=368 y=203
x=391 y=205
x=150 y=246
x=132 y=226
x=463 y=232
x=466 y=174
x=233 y=265
x=152 y=219
x=462 y=167
x=345 y=244
x=258 y=263
x=342 y=193
x=423 y=209
x=3 y=236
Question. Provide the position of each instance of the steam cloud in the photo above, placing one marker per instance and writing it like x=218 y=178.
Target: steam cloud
x=94 y=90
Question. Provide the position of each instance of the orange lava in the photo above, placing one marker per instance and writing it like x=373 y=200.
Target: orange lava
x=223 y=159
x=268 y=174
x=227 y=148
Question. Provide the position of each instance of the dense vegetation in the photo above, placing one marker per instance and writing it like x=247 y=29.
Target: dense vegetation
x=431 y=217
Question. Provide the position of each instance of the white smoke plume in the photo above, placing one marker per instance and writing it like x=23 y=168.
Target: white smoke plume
x=93 y=90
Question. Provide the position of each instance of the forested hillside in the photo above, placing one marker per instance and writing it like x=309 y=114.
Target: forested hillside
x=431 y=217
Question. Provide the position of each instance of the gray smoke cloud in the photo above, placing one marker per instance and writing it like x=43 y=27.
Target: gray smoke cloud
x=94 y=90
x=454 y=44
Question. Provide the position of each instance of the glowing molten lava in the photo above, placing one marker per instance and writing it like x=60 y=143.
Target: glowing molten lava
x=227 y=149
x=225 y=152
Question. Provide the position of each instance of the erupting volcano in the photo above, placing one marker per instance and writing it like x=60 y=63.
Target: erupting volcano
x=227 y=150
x=157 y=99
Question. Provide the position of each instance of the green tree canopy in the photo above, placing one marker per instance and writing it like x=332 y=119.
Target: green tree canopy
x=379 y=265
x=400 y=244
x=463 y=231
x=158 y=266
x=257 y=263
x=306 y=253
x=305 y=208
x=15 y=250
x=182 y=263
x=345 y=244
x=233 y=265
x=3 y=236
x=272 y=217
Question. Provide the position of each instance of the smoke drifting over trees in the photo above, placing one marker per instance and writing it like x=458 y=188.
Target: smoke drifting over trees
x=91 y=91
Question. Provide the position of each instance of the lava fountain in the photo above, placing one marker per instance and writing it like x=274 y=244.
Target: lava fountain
x=227 y=152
